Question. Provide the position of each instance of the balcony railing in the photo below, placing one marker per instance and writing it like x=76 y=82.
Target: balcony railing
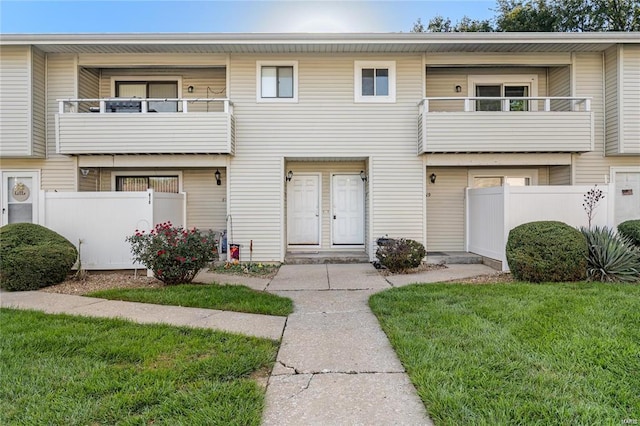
x=145 y=126
x=505 y=124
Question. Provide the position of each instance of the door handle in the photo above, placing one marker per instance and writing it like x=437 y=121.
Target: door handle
x=334 y=216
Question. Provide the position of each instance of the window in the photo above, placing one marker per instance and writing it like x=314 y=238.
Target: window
x=277 y=81
x=142 y=183
x=504 y=91
x=506 y=86
x=150 y=89
x=479 y=178
x=489 y=181
x=374 y=81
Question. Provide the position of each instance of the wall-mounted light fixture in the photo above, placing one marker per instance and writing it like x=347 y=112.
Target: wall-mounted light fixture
x=218 y=176
x=363 y=176
x=289 y=176
x=433 y=178
x=190 y=89
x=458 y=88
x=85 y=172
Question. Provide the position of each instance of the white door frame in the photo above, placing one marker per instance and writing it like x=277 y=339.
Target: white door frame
x=319 y=176
x=34 y=174
x=331 y=189
x=612 y=186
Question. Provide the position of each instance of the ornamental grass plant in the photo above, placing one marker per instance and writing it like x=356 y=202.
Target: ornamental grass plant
x=612 y=257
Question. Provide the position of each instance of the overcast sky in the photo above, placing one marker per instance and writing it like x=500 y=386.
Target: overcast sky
x=27 y=16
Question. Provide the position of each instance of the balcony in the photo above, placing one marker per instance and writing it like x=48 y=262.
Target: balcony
x=515 y=125
x=142 y=126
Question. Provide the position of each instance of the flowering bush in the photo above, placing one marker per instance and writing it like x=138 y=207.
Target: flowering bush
x=175 y=255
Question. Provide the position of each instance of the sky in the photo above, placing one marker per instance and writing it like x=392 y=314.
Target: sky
x=89 y=16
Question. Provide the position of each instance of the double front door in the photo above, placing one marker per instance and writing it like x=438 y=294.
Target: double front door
x=306 y=210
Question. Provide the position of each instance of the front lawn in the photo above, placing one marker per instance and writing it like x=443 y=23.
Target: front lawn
x=211 y=296
x=59 y=369
x=519 y=353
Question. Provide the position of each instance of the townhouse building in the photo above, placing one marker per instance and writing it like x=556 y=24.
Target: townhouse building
x=318 y=143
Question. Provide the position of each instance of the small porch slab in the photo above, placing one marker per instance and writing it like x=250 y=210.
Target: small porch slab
x=453 y=258
x=321 y=257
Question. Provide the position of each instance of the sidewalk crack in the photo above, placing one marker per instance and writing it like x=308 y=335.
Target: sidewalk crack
x=289 y=367
x=304 y=388
x=328 y=279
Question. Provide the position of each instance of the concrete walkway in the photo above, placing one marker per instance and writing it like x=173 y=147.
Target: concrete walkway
x=266 y=326
x=335 y=365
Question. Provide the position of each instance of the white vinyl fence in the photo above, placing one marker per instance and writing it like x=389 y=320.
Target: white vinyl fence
x=492 y=212
x=102 y=220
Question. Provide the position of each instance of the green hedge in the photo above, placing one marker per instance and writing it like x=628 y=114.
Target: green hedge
x=547 y=251
x=398 y=255
x=33 y=256
x=631 y=230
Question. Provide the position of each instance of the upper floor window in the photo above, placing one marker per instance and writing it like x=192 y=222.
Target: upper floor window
x=374 y=81
x=277 y=81
x=146 y=87
x=506 y=86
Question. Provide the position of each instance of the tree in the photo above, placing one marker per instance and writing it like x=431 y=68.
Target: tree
x=518 y=15
x=439 y=24
x=547 y=15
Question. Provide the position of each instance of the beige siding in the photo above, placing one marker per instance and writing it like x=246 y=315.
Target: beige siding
x=15 y=103
x=559 y=83
x=325 y=123
x=59 y=171
x=326 y=170
x=446 y=204
x=612 y=99
x=631 y=99
x=445 y=209
x=38 y=104
x=540 y=131
x=213 y=79
x=560 y=175
x=593 y=167
x=123 y=60
x=441 y=82
x=90 y=182
x=165 y=133
x=88 y=87
x=206 y=201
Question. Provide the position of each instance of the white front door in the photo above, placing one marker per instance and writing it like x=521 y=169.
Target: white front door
x=627 y=196
x=348 y=210
x=303 y=210
x=20 y=191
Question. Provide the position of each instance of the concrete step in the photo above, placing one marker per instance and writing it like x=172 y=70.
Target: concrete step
x=454 y=258
x=310 y=258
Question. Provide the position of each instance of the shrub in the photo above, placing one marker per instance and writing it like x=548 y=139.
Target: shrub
x=33 y=256
x=398 y=255
x=631 y=230
x=612 y=258
x=175 y=255
x=547 y=251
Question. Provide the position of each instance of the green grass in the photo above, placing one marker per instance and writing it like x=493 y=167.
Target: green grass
x=530 y=354
x=259 y=270
x=59 y=369
x=211 y=296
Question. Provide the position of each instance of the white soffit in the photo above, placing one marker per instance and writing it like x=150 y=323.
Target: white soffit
x=321 y=43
